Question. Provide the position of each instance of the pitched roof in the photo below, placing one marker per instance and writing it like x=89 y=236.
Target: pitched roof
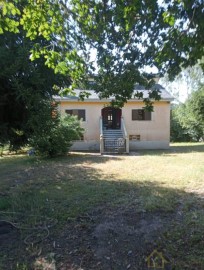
x=93 y=96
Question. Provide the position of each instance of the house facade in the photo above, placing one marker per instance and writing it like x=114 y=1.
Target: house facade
x=108 y=129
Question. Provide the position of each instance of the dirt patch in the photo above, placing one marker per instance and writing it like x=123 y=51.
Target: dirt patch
x=10 y=243
x=104 y=239
x=7 y=231
x=110 y=239
x=125 y=238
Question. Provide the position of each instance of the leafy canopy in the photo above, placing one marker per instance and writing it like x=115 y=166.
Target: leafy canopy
x=189 y=116
x=24 y=85
x=126 y=36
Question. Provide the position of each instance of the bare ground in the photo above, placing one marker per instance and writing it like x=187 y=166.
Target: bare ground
x=103 y=239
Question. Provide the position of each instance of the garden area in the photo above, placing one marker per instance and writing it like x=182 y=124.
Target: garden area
x=87 y=211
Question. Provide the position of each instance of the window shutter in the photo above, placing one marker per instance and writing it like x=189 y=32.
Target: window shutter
x=75 y=112
x=81 y=115
x=134 y=114
x=147 y=115
x=141 y=115
x=70 y=112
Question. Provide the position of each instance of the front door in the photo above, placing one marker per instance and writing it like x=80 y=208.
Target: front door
x=111 y=117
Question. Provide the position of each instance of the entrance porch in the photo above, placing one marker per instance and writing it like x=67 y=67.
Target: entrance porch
x=113 y=135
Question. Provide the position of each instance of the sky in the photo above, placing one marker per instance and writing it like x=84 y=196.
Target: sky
x=179 y=89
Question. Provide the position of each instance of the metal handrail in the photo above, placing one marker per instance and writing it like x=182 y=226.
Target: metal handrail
x=101 y=135
x=125 y=134
x=115 y=145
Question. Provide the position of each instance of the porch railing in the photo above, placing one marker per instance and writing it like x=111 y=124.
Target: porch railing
x=101 y=135
x=114 y=145
x=125 y=134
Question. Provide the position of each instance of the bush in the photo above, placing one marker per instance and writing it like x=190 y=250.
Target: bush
x=58 y=139
x=178 y=133
x=187 y=121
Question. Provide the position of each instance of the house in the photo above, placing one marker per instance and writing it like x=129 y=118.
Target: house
x=127 y=129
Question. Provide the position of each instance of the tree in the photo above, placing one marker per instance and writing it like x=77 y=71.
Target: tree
x=189 y=116
x=178 y=133
x=188 y=81
x=193 y=119
x=23 y=85
x=128 y=35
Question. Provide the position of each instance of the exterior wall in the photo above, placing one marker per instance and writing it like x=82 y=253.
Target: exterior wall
x=93 y=113
x=154 y=134
x=136 y=145
x=91 y=145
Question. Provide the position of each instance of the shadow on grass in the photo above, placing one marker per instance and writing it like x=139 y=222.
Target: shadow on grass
x=177 y=149
x=188 y=148
x=104 y=223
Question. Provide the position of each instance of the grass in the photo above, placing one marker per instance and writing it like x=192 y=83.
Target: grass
x=165 y=181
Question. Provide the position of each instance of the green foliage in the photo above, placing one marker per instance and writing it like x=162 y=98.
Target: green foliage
x=193 y=116
x=187 y=121
x=4 y=203
x=52 y=135
x=127 y=36
x=8 y=19
x=177 y=132
x=190 y=79
x=23 y=85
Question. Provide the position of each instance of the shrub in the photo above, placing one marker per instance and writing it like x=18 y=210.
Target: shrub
x=58 y=138
x=187 y=121
x=178 y=133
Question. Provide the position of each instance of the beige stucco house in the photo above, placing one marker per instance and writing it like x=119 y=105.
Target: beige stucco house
x=108 y=129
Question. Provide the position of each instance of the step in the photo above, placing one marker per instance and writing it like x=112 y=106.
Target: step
x=113 y=136
x=112 y=130
x=111 y=144
x=116 y=133
x=112 y=133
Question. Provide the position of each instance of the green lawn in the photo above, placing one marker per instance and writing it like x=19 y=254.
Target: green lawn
x=166 y=182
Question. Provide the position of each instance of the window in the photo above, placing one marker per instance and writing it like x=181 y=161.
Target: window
x=80 y=113
x=134 y=137
x=141 y=115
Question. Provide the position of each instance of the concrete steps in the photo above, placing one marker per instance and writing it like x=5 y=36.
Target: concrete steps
x=114 y=142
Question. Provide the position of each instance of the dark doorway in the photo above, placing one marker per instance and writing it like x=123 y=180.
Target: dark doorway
x=111 y=117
